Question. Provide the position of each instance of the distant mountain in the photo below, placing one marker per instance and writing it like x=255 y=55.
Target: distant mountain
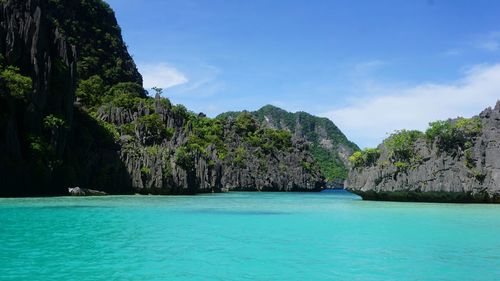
x=329 y=146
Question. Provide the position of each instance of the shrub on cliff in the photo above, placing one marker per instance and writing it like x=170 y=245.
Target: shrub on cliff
x=279 y=139
x=366 y=157
x=453 y=134
x=126 y=88
x=206 y=131
x=17 y=85
x=52 y=122
x=184 y=157
x=400 y=145
x=245 y=124
x=240 y=156
x=127 y=95
x=268 y=139
x=90 y=90
x=180 y=110
x=153 y=129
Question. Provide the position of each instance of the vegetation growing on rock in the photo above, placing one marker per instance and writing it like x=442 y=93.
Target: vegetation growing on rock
x=328 y=144
x=13 y=83
x=91 y=26
x=452 y=136
x=91 y=124
x=366 y=157
x=455 y=160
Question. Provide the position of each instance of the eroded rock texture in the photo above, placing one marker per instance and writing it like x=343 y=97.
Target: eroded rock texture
x=455 y=176
x=50 y=142
x=155 y=167
x=29 y=41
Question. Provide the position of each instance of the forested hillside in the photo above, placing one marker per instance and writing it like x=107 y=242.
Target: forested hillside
x=329 y=146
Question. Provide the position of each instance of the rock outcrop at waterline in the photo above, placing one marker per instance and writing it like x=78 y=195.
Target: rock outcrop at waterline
x=461 y=170
x=168 y=151
x=77 y=191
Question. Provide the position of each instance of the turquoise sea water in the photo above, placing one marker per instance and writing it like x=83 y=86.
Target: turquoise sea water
x=246 y=236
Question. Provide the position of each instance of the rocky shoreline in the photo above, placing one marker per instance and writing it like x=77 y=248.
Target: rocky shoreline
x=465 y=172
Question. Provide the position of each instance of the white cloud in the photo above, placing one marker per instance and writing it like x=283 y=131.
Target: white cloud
x=368 y=120
x=161 y=75
x=204 y=82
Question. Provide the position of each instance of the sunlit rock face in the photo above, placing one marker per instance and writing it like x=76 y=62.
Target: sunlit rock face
x=153 y=164
x=459 y=175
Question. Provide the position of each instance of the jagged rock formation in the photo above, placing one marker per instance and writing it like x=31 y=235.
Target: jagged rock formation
x=468 y=172
x=329 y=146
x=180 y=164
x=29 y=41
x=91 y=25
x=113 y=138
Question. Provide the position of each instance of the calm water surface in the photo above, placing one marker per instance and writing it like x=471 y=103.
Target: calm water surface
x=246 y=236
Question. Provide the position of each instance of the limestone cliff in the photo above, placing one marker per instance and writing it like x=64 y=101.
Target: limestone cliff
x=329 y=146
x=460 y=170
x=92 y=27
x=31 y=47
x=166 y=150
x=73 y=113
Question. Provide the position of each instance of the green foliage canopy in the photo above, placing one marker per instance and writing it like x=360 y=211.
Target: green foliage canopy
x=366 y=157
x=453 y=134
x=18 y=86
x=400 y=144
x=154 y=128
x=90 y=90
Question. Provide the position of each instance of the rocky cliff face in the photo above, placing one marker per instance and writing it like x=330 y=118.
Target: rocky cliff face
x=92 y=27
x=178 y=163
x=469 y=173
x=114 y=138
x=29 y=41
x=329 y=146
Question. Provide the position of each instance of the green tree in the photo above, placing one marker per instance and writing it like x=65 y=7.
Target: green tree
x=158 y=91
x=18 y=86
x=180 y=110
x=153 y=128
x=184 y=158
x=90 y=90
x=126 y=95
x=453 y=134
x=366 y=157
x=400 y=144
x=127 y=88
x=51 y=122
x=356 y=159
x=245 y=123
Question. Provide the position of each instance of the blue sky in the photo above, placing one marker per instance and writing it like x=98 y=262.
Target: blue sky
x=370 y=66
